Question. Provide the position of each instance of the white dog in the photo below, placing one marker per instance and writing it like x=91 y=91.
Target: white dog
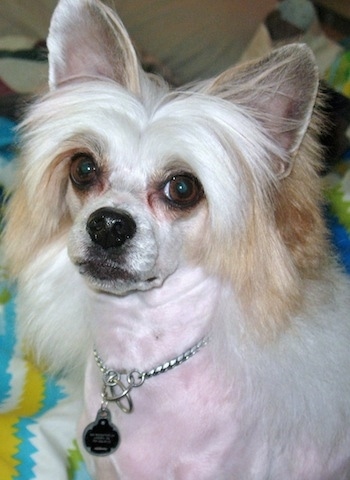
x=179 y=233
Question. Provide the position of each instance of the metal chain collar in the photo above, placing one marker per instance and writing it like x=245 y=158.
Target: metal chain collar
x=118 y=385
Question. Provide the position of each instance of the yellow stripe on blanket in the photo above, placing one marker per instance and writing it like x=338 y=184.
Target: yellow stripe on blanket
x=8 y=446
x=30 y=404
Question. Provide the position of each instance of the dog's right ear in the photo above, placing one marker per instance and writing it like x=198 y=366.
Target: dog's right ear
x=87 y=39
x=280 y=92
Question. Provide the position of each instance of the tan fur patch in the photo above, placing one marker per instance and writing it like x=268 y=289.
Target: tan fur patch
x=32 y=223
x=284 y=243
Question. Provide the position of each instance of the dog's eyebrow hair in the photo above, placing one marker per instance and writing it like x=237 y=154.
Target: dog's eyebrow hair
x=85 y=142
x=175 y=165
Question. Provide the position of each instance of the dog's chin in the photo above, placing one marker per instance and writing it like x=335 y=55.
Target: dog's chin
x=115 y=280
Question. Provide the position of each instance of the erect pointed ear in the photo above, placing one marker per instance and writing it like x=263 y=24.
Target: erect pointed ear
x=87 y=39
x=280 y=92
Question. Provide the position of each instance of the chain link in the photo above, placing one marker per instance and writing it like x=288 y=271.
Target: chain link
x=116 y=389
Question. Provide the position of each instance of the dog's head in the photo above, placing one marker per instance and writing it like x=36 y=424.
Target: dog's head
x=142 y=180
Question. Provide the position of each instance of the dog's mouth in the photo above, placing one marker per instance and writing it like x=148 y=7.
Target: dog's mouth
x=104 y=271
x=111 y=277
x=109 y=271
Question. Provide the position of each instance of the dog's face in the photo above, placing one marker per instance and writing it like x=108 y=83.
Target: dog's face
x=135 y=204
x=139 y=180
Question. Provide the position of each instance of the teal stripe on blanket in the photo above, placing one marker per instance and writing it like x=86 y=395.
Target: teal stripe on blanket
x=7 y=346
x=26 y=451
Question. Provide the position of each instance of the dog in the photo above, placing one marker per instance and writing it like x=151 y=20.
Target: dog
x=171 y=255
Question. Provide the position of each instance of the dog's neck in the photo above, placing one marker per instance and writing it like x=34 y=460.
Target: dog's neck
x=141 y=329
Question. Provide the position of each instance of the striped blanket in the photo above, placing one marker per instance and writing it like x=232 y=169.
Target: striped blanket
x=37 y=413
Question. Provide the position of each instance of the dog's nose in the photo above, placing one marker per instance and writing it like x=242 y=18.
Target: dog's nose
x=110 y=228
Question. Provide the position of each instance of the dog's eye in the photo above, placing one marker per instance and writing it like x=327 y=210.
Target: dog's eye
x=83 y=170
x=183 y=191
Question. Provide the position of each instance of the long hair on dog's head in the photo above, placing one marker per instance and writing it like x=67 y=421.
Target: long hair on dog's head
x=249 y=136
x=283 y=241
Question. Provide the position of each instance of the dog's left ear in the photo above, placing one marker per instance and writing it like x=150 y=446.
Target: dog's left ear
x=87 y=39
x=280 y=92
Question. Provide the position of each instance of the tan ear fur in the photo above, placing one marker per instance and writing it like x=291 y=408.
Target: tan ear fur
x=284 y=245
x=33 y=221
x=284 y=242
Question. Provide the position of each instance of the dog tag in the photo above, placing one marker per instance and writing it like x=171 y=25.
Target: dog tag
x=101 y=437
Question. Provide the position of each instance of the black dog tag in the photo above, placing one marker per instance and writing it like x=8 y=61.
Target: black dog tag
x=101 y=437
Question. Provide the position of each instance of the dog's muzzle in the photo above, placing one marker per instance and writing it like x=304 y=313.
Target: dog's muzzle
x=110 y=228
x=115 y=252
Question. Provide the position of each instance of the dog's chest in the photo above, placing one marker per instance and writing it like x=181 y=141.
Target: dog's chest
x=190 y=422
x=258 y=420
x=182 y=425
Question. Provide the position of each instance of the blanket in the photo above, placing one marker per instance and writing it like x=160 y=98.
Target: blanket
x=38 y=412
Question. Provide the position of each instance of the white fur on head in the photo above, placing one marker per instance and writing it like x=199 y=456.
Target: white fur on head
x=87 y=39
